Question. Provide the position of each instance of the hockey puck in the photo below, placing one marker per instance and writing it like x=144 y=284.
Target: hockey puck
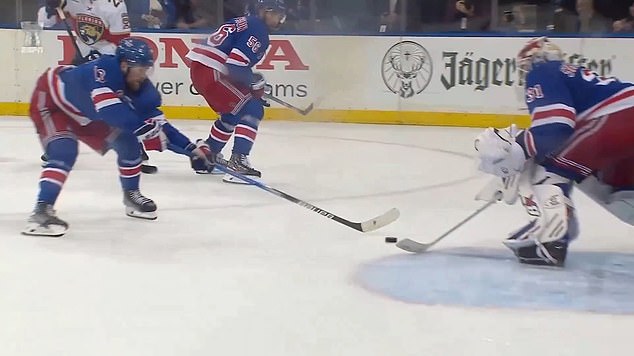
x=390 y=240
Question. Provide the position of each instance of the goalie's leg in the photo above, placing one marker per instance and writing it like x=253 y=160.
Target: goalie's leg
x=544 y=240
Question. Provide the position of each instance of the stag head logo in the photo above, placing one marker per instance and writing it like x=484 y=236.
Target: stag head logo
x=407 y=69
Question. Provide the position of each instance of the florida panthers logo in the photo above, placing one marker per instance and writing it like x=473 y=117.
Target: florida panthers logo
x=90 y=28
x=407 y=69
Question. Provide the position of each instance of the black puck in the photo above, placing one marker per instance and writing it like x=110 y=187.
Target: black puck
x=390 y=240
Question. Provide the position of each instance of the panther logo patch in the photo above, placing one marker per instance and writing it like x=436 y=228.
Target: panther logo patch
x=90 y=28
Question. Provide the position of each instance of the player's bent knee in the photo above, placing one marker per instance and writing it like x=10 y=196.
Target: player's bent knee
x=62 y=153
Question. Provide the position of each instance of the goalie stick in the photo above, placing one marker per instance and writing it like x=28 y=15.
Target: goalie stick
x=370 y=225
x=410 y=245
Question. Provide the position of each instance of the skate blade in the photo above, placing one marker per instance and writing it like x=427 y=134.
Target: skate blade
x=233 y=180
x=34 y=229
x=148 y=215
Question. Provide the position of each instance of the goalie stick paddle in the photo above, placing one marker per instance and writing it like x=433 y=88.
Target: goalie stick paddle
x=410 y=245
x=290 y=106
x=366 y=226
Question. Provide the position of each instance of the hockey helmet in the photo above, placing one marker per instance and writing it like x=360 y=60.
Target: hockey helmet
x=537 y=50
x=135 y=51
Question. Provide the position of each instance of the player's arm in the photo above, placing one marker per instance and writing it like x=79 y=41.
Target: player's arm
x=112 y=110
x=156 y=133
x=552 y=115
x=245 y=51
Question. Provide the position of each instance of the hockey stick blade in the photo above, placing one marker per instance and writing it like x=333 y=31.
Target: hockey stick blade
x=385 y=219
x=410 y=245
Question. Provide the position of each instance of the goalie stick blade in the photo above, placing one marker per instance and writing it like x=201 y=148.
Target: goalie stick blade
x=380 y=221
x=412 y=246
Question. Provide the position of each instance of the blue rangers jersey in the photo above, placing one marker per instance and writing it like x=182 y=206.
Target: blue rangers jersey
x=96 y=91
x=561 y=97
x=234 y=48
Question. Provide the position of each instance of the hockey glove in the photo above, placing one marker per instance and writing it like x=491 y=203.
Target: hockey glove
x=51 y=7
x=152 y=135
x=498 y=152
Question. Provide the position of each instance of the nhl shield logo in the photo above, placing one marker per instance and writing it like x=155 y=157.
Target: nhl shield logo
x=407 y=69
x=90 y=28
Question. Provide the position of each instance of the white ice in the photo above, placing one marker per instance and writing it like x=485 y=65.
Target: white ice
x=233 y=270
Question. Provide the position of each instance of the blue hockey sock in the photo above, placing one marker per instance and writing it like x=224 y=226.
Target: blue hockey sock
x=221 y=132
x=247 y=128
x=128 y=151
x=62 y=154
x=244 y=138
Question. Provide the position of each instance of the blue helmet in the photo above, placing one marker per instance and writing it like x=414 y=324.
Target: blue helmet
x=135 y=51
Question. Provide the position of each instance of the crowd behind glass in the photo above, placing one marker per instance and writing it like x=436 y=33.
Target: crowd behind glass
x=375 y=16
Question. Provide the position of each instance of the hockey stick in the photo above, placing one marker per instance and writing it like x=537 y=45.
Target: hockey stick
x=290 y=106
x=370 y=225
x=62 y=16
x=410 y=245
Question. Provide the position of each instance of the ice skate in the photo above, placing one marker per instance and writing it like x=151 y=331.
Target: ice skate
x=139 y=206
x=44 y=222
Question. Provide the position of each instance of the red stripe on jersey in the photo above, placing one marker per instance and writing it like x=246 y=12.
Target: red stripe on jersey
x=610 y=101
x=552 y=113
x=65 y=105
x=104 y=96
x=114 y=37
x=530 y=144
x=246 y=131
x=238 y=58
x=209 y=54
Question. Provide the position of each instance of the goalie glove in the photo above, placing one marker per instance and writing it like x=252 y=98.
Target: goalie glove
x=498 y=152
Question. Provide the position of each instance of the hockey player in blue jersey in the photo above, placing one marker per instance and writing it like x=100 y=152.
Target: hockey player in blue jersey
x=581 y=134
x=221 y=72
x=95 y=103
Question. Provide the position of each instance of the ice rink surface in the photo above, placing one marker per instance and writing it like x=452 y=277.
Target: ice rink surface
x=233 y=270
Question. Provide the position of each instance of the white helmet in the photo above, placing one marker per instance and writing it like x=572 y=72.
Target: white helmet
x=537 y=50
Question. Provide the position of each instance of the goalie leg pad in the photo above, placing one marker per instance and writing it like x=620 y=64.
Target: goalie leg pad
x=544 y=241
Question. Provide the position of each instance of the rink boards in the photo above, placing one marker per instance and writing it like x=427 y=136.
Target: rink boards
x=450 y=81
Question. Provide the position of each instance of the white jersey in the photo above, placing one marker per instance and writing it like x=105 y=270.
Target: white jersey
x=99 y=24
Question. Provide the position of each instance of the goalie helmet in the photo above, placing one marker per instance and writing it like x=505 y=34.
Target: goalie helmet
x=537 y=50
